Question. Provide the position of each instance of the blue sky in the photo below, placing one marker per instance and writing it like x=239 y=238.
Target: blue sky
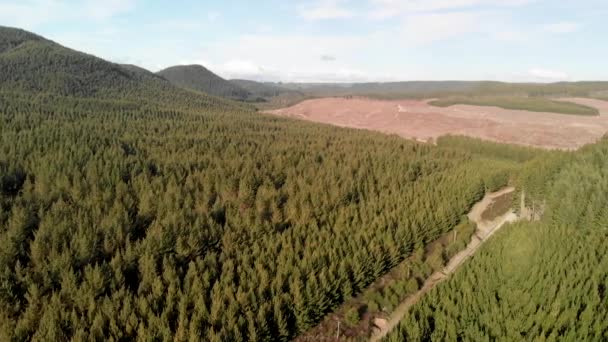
x=335 y=40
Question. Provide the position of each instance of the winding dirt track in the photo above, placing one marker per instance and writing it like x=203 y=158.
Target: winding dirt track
x=484 y=230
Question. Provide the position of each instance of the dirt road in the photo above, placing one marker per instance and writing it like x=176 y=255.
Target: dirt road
x=485 y=229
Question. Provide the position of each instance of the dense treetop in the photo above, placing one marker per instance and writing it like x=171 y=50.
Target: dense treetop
x=134 y=209
x=264 y=90
x=130 y=208
x=11 y=38
x=542 y=280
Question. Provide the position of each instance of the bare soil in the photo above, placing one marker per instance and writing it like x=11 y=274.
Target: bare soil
x=417 y=119
x=499 y=206
x=600 y=105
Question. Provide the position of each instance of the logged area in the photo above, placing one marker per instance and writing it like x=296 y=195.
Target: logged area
x=416 y=119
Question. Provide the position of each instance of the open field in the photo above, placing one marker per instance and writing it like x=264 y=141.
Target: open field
x=534 y=104
x=417 y=119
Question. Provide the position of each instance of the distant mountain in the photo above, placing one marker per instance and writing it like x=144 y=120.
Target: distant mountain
x=199 y=78
x=32 y=64
x=139 y=70
x=438 y=89
x=262 y=90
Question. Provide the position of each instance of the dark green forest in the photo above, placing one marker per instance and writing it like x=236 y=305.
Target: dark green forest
x=120 y=222
x=134 y=209
x=199 y=78
x=542 y=280
x=161 y=213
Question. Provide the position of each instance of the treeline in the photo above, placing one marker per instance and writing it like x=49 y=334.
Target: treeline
x=529 y=103
x=543 y=280
x=197 y=77
x=121 y=220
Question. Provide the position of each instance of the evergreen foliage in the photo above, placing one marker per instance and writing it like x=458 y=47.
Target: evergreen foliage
x=534 y=104
x=198 y=78
x=542 y=280
x=123 y=221
x=134 y=209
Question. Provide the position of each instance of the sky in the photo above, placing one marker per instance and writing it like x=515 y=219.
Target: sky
x=335 y=40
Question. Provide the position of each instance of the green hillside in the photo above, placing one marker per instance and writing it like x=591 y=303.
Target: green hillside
x=197 y=77
x=31 y=64
x=262 y=89
x=139 y=70
x=442 y=89
x=132 y=209
x=11 y=38
x=543 y=280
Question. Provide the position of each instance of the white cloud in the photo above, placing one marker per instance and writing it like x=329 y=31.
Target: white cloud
x=237 y=68
x=326 y=9
x=548 y=75
x=426 y=28
x=213 y=16
x=102 y=9
x=382 y=9
x=32 y=13
x=276 y=57
x=328 y=58
x=561 y=27
x=510 y=35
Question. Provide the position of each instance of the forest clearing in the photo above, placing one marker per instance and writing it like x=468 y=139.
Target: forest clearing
x=419 y=120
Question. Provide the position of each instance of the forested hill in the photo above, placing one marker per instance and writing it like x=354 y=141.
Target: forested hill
x=139 y=70
x=199 y=78
x=34 y=65
x=533 y=281
x=263 y=89
x=128 y=213
x=11 y=38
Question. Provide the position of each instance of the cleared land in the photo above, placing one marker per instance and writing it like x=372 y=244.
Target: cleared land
x=533 y=104
x=417 y=119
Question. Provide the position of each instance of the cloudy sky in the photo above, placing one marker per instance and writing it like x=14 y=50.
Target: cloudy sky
x=335 y=40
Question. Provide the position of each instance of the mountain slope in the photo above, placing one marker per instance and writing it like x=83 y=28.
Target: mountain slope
x=197 y=77
x=11 y=38
x=32 y=64
x=262 y=90
x=139 y=70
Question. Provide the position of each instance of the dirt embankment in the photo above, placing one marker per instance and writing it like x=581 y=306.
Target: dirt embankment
x=416 y=119
x=485 y=229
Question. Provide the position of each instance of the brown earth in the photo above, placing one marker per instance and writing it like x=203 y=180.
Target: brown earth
x=417 y=119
